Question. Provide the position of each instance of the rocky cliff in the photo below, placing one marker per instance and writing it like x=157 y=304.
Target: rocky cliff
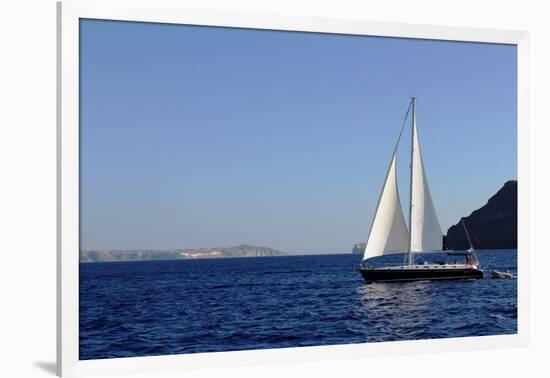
x=492 y=226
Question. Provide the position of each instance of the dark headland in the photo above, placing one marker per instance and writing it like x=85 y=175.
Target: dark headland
x=492 y=226
x=243 y=250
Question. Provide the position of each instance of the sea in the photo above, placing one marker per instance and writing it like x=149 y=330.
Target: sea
x=147 y=308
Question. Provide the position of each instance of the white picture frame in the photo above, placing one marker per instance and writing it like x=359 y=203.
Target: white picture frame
x=168 y=11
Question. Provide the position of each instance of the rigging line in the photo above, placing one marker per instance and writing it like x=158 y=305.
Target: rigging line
x=489 y=263
x=397 y=143
x=467 y=235
x=402 y=127
x=458 y=209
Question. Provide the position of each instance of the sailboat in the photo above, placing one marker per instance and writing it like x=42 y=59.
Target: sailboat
x=389 y=233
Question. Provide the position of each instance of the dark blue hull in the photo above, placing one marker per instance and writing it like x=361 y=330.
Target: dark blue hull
x=399 y=274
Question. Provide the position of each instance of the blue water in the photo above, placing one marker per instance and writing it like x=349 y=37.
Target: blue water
x=189 y=306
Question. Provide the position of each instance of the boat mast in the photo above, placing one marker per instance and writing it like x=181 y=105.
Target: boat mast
x=413 y=118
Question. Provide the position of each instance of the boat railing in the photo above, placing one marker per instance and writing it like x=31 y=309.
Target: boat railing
x=423 y=264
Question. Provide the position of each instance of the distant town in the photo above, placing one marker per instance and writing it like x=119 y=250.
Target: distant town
x=243 y=250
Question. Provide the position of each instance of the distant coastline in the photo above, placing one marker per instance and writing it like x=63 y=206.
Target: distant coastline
x=243 y=250
x=493 y=226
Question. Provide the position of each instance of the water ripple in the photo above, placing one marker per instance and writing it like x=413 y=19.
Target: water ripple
x=192 y=306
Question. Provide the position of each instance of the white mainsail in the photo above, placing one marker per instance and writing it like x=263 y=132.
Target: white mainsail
x=426 y=235
x=388 y=233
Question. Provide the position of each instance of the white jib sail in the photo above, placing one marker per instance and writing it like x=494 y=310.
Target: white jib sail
x=426 y=235
x=388 y=233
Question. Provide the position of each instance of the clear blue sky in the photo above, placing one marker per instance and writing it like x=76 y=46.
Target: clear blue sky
x=196 y=136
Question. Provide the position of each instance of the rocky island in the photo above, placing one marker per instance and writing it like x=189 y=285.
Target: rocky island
x=243 y=250
x=359 y=248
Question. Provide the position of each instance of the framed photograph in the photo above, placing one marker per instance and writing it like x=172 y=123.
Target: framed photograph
x=238 y=188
